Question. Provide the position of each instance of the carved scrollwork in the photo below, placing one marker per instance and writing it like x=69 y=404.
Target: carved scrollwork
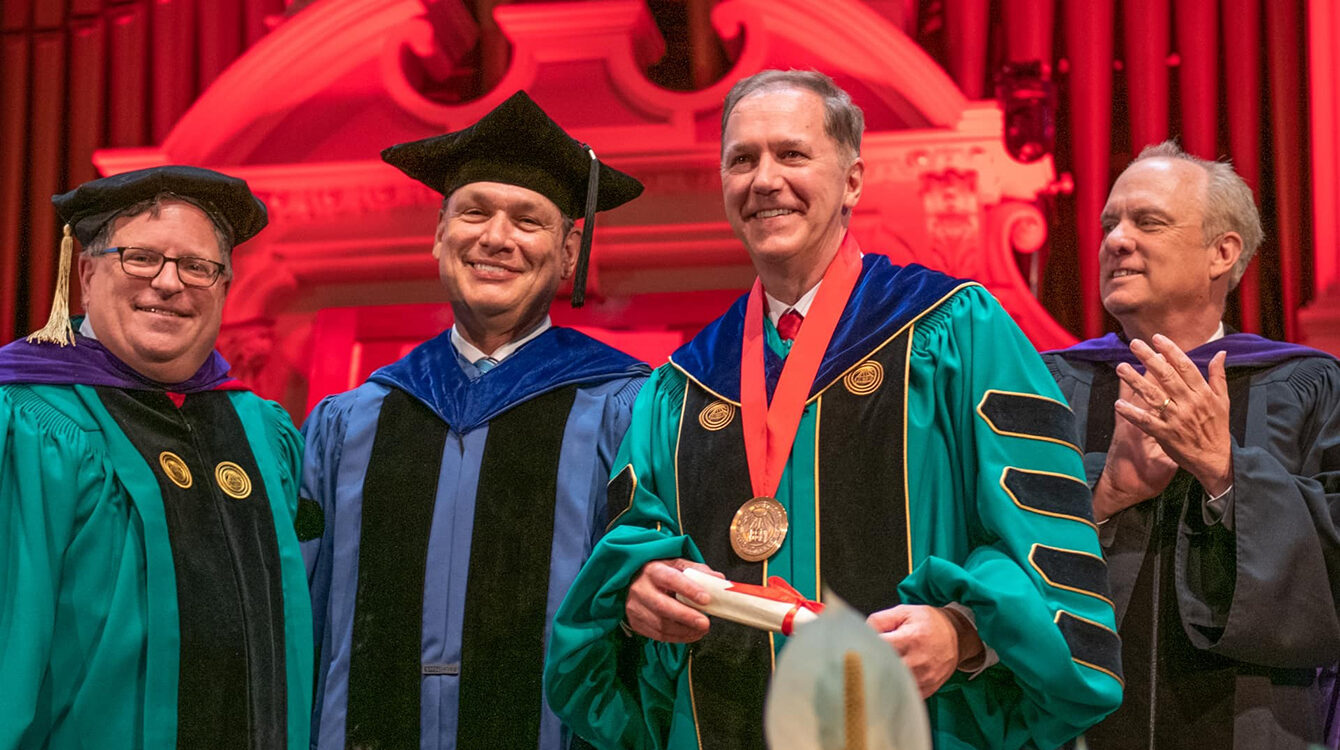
x=248 y=346
x=423 y=59
x=953 y=220
x=347 y=200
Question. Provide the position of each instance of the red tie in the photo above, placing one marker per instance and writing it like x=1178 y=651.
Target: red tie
x=789 y=324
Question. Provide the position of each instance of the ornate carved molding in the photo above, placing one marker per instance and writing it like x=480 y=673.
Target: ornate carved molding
x=350 y=231
x=953 y=220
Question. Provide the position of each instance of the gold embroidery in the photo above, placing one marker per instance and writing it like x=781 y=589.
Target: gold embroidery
x=716 y=415
x=864 y=379
x=175 y=469
x=233 y=480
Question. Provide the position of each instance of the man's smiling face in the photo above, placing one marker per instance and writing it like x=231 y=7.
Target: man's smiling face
x=160 y=327
x=501 y=253
x=785 y=181
x=1154 y=259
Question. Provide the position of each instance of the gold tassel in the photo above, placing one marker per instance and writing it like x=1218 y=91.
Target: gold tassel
x=58 y=329
x=853 y=700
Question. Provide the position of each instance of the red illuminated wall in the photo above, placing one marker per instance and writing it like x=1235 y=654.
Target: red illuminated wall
x=342 y=280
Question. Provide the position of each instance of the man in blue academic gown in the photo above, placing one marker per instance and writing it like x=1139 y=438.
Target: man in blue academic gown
x=463 y=486
x=1215 y=465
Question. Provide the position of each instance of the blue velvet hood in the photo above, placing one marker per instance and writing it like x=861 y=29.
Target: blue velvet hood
x=557 y=358
x=886 y=298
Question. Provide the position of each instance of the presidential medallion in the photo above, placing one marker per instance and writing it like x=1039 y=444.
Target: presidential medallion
x=233 y=480
x=716 y=415
x=865 y=379
x=175 y=469
x=758 y=529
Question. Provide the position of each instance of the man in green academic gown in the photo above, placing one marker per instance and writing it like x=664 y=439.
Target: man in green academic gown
x=154 y=592
x=885 y=433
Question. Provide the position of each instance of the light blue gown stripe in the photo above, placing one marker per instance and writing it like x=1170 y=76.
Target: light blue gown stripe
x=335 y=599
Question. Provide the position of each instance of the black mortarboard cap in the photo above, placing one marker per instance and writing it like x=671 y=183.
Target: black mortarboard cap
x=227 y=200
x=86 y=209
x=518 y=144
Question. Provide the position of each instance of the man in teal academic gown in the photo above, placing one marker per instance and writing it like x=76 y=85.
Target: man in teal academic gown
x=905 y=449
x=153 y=586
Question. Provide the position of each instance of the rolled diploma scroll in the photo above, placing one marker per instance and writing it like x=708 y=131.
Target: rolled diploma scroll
x=776 y=607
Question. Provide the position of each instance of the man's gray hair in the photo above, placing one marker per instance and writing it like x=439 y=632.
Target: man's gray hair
x=1229 y=205
x=844 y=122
x=154 y=206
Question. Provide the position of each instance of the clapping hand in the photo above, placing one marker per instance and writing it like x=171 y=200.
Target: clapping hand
x=1184 y=412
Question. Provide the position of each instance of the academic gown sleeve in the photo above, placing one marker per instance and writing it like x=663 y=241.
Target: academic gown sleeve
x=615 y=418
x=1263 y=585
x=53 y=484
x=1026 y=558
x=286 y=445
x=323 y=434
x=598 y=679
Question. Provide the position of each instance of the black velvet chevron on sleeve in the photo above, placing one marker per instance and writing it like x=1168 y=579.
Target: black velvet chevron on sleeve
x=1071 y=570
x=1029 y=415
x=619 y=495
x=1091 y=644
x=1048 y=493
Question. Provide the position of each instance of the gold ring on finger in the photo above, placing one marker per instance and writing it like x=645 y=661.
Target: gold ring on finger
x=1163 y=406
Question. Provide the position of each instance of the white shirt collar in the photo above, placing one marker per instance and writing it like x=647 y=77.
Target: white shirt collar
x=86 y=329
x=473 y=354
x=777 y=308
x=1219 y=333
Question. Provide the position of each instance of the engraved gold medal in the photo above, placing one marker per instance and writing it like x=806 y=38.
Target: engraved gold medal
x=175 y=469
x=769 y=426
x=758 y=529
x=233 y=480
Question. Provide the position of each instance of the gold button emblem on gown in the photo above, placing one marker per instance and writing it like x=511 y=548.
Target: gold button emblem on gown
x=232 y=480
x=865 y=379
x=175 y=469
x=716 y=415
x=758 y=529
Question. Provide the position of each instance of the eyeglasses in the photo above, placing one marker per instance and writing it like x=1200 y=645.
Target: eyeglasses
x=143 y=263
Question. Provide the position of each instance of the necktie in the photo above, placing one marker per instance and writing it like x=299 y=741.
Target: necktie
x=789 y=324
x=486 y=364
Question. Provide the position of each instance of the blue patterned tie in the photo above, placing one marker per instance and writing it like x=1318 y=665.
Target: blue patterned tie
x=486 y=364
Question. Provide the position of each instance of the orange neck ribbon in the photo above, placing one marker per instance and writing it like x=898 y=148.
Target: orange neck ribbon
x=770 y=430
